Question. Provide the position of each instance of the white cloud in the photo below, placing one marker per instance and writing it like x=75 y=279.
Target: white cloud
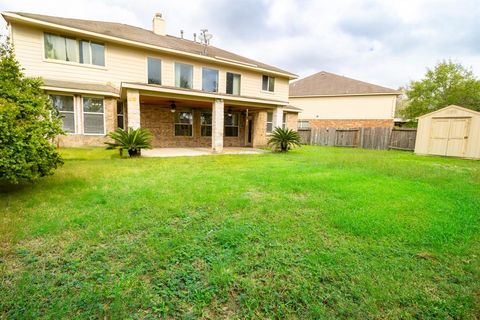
x=385 y=42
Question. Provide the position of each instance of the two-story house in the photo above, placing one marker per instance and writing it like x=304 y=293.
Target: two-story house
x=104 y=75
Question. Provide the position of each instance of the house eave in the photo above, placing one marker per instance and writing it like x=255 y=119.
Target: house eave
x=345 y=95
x=80 y=91
x=9 y=17
x=199 y=94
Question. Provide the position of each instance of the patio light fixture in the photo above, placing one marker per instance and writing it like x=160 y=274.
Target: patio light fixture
x=173 y=106
x=229 y=112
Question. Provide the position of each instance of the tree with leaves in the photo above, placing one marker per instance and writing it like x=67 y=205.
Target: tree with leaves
x=448 y=83
x=28 y=124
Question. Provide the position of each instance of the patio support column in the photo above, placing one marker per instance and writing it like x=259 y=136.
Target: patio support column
x=278 y=117
x=133 y=109
x=217 y=125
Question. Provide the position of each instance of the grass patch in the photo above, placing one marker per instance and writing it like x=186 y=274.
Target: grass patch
x=315 y=233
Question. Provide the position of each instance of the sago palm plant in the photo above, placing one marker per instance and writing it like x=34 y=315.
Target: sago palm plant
x=133 y=140
x=284 y=139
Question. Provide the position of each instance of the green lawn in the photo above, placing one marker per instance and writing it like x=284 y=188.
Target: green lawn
x=316 y=233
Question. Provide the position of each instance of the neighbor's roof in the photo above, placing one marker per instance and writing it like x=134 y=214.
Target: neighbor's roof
x=136 y=34
x=329 y=84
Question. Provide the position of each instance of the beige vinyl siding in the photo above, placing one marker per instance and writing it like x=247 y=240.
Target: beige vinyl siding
x=346 y=107
x=128 y=64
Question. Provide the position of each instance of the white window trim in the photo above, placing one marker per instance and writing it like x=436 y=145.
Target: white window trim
x=205 y=125
x=83 y=116
x=75 y=120
x=267 y=122
x=239 y=87
x=161 y=70
x=73 y=63
x=232 y=126
x=218 y=79
x=176 y=123
x=174 y=74
x=268 y=84
x=118 y=114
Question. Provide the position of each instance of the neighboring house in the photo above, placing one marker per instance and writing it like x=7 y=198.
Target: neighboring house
x=330 y=100
x=104 y=75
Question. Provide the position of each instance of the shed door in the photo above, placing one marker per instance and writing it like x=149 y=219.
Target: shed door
x=449 y=136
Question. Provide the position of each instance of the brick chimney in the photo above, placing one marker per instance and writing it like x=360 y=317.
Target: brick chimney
x=158 y=24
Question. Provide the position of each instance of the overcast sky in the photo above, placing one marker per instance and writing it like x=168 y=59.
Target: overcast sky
x=384 y=42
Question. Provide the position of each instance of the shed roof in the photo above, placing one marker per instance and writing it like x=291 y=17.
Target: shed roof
x=328 y=84
x=450 y=107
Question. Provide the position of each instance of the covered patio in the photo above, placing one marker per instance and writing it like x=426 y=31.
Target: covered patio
x=199 y=122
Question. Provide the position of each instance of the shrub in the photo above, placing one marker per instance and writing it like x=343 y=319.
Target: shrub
x=28 y=124
x=284 y=139
x=134 y=140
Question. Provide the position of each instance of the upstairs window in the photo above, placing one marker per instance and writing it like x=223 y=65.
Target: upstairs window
x=209 y=80
x=64 y=106
x=206 y=124
x=268 y=83
x=92 y=53
x=231 y=124
x=72 y=50
x=93 y=116
x=183 y=75
x=60 y=48
x=184 y=124
x=233 y=83
x=154 y=71
x=269 y=122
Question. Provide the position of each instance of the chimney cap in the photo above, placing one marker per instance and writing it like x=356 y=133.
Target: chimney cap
x=158 y=15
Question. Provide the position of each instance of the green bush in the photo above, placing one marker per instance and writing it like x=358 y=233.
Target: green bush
x=284 y=139
x=133 y=140
x=28 y=124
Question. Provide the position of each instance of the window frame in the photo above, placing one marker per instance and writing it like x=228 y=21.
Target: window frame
x=206 y=125
x=161 y=64
x=231 y=126
x=75 y=122
x=270 y=83
x=122 y=115
x=218 y=78
x=175 y=123
x=175 y=74
x=301 y=123
x=82 y=99
x=239 y=85
x=76 y=63
x=269 y=122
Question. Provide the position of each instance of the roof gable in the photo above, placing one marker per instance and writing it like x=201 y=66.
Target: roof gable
x=329 y=84
x=136 y=34
x=451 y=110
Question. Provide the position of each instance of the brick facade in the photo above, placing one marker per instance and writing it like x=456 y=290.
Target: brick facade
x=292 y=121
x=359 y=123
x=160 y=122
x=81 y=140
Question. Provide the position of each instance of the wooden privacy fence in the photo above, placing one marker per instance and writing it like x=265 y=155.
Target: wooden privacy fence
x=369 y=138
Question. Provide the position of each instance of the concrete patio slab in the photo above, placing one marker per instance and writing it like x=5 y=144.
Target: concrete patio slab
x=192 y=152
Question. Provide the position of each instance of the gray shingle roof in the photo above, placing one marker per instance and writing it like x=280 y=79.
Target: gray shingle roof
x=325 y=83
x=80 y=86
x=137 y=34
